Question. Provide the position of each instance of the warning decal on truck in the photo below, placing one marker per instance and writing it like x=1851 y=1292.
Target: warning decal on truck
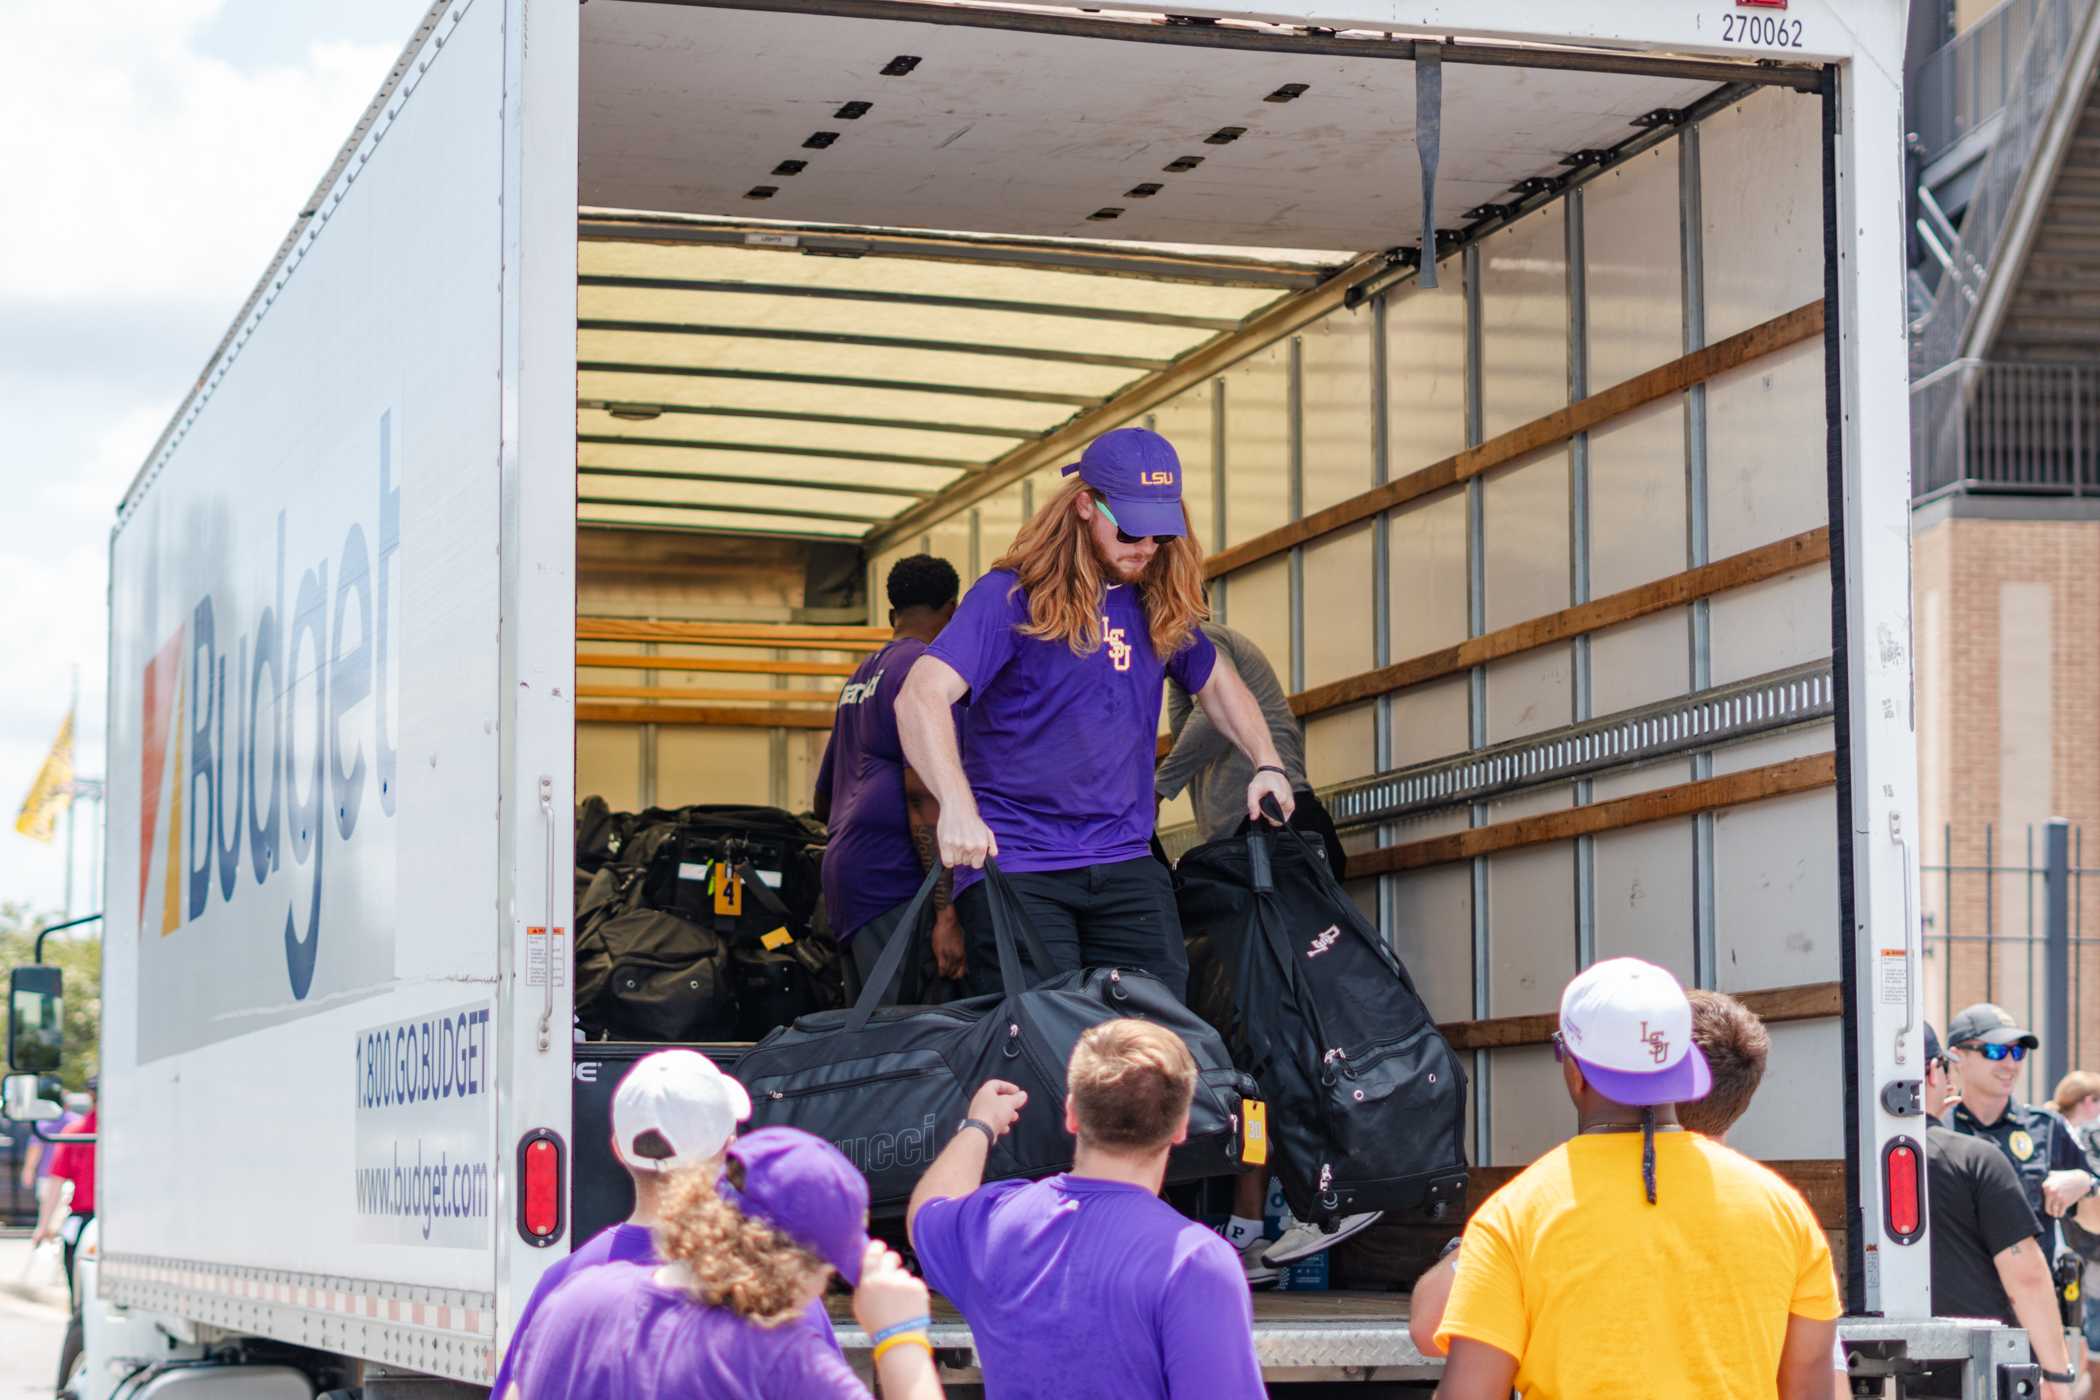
x=424 y=1169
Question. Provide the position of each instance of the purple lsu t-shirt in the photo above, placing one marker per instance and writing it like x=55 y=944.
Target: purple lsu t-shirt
x=615 y=1333
x=1059 y=748
x=869 y=864
x=1081 y=1289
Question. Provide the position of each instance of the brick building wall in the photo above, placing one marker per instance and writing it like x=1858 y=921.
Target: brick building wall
x=2007 y=618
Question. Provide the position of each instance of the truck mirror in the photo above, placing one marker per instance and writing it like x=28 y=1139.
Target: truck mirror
x=35 y=1028
x=23 y=1099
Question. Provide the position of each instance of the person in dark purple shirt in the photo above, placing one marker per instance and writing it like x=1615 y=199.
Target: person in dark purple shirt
x=748 y=1253
x=1062 y=650
x=1085 y=1285
x=882 y=818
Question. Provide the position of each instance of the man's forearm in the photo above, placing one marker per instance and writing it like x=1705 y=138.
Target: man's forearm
x=958 y=1171
x=2025 y=1274
x=2087 y=1212
x=926 y=730
x=1233 y=708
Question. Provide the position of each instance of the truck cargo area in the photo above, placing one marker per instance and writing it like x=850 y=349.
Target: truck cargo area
x=1542 y=550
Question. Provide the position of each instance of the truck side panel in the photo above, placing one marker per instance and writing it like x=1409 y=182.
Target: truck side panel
x=300 y=1047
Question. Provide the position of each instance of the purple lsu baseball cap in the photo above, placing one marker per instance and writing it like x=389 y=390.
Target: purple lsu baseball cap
x=1139 y=474
x=805 y=1188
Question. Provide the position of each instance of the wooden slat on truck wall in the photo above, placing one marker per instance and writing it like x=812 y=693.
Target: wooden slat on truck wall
x=1802 y=323
x=1808 y=1002
x=1736 y=571
x=787 y=635
x=701 y=692
x=720 y=665
x=1639 y=809
x=720 y=716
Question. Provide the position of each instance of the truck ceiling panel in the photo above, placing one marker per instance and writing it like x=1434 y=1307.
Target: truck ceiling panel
x=695 y=109
x=843 y=391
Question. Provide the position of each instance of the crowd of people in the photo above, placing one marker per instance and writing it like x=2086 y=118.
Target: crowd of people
x=1018 y=720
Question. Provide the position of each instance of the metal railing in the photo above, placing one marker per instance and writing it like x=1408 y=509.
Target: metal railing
x=2039 y=44
x=1963 y=84
x=2005 y=924
x=1982 y=425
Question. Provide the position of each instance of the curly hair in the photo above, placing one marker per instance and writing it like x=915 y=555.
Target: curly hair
x=736 y=1262
x=1054 y=561
x=922 y=581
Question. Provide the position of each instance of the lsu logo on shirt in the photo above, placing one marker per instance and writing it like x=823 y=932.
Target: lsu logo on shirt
x=1118 y=645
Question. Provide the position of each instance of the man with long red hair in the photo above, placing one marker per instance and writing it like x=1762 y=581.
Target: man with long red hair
x=1062 y=650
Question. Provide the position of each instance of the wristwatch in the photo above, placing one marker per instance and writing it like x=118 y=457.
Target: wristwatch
x=2069 y=1377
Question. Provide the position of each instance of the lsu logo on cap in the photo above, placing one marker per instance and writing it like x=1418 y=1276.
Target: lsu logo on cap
x=1156 y=478
x=1658 y=1044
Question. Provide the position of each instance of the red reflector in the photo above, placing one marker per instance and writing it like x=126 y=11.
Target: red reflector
x=542 y=1189
x=1903 y=1189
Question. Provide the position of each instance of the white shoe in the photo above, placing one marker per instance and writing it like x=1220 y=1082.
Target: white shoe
x=1302 y=1241
x=1259 y=1273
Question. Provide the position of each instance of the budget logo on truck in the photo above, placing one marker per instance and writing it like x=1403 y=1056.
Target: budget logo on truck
x=268 y=769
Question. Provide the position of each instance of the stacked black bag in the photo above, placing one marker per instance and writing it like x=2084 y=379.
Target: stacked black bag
x=1367 y=1102
x=888 y=1085
x=701 y=923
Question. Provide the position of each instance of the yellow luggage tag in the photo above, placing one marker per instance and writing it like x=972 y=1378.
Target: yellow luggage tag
x=778 y=938
x=729 y=893
x=1254 y=1142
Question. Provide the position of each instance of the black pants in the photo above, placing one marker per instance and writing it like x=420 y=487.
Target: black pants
x=70 y=1241
x=920 y=984
x=1119 y=915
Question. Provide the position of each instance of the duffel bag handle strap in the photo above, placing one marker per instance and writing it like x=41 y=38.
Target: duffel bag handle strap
x=1012 y=932
x=762 y=892
x=890 y=965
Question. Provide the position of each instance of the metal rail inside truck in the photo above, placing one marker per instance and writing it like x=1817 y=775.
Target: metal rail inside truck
x=1539 y=374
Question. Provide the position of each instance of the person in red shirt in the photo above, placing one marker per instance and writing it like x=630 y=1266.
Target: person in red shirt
x=74 y=1162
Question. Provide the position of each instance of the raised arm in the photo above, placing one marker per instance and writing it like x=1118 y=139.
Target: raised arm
x=1233 y=708
x=926 y=729
x=959 y=1169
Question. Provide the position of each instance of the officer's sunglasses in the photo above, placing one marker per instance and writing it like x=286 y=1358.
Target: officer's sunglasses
x=1124 y=535
x=2015 y=1053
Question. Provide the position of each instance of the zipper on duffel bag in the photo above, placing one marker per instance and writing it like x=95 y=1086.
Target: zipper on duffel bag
x=1375 y=1053
x=776 y=1095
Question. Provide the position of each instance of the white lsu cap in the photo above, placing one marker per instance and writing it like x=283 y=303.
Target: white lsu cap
x=681 y=1097
x=1629 y=1025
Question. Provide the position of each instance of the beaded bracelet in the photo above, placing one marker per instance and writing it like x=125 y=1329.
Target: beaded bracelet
x=915 y=1339
x=910 y=1324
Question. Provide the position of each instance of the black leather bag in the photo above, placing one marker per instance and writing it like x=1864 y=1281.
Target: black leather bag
x=1366 y=1100
x=888 y=1085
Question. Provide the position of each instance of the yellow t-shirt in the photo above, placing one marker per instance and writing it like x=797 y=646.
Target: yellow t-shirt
x=1597 y=1293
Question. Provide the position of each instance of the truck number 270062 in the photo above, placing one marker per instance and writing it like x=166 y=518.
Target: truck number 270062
x=1766 y=30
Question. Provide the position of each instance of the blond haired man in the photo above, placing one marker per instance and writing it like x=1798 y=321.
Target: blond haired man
x=1086 y=1284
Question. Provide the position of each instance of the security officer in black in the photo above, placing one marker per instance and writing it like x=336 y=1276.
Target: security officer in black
x=1988 y=1048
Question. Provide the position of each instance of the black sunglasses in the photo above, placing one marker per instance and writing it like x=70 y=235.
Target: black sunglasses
x=1124 y=535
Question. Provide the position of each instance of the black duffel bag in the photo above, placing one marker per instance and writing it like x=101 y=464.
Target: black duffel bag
x=887 y=1085
x=1366 y=1100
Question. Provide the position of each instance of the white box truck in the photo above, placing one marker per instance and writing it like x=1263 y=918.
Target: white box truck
x=1539 y=374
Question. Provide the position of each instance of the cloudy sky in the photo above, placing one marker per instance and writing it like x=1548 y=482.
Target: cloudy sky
x=156 y=151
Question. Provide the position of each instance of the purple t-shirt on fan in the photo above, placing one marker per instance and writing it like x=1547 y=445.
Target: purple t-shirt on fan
x=615 y=1244
x=1059 y=748
x=1082 y=1289
x=615 y=1333
x=869 y=865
